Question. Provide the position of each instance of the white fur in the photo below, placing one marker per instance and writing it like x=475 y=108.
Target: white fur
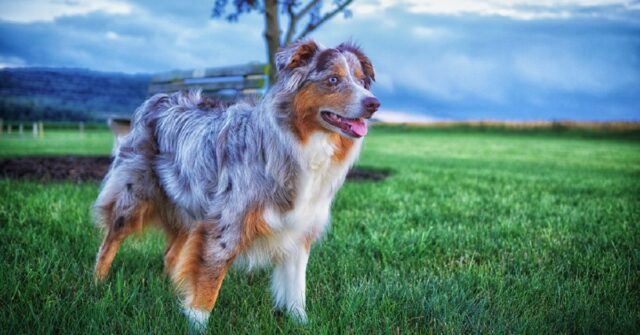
x=320 y=180
x=353 y=108
x=288 y=284
x=197 y=319
x=214 y=165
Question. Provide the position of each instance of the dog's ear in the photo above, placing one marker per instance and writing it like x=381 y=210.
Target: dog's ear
x=365 y=62
x=292 y=62
x=296 y=55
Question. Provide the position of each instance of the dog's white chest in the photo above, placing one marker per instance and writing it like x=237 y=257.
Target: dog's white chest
x=321 y=177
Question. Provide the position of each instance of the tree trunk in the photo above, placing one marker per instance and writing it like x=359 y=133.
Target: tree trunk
x=272 y=36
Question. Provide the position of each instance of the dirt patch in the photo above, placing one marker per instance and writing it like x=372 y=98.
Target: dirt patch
x=79 y=168
x=73 y=168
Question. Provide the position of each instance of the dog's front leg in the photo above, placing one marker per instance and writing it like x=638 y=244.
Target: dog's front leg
x=288 y=283
x=199 y=272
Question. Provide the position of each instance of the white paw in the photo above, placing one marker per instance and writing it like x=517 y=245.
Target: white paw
x=298 y=314
x=197 y=320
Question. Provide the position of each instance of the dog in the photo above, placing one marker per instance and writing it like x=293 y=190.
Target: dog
x=249 y=184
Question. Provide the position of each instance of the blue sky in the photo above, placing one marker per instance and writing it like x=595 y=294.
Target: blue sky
x=455 y=59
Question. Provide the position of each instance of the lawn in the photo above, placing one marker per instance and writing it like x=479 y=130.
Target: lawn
x=475 y=231
x=57 y=142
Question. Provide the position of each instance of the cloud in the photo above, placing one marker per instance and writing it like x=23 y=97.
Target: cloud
x=493 y=66
x=560 y=70
x=140 y=41
x=441 y=59
x=48 y=10
x=112 y=35
x=515 y=9
x=427 y=32
x=11 y=62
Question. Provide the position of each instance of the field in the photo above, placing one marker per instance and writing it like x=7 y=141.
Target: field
x=476 y=231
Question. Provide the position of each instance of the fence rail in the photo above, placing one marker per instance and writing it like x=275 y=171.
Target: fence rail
x=234 y=81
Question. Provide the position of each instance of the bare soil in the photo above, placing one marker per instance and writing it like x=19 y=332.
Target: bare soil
x=82 y=168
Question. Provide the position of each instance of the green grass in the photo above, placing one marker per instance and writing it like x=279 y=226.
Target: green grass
x=476 y=231
x=57 y=142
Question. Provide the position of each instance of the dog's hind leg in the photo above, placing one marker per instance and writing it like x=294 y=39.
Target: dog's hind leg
x=107 y=252
x=177 y=240
x=199 y=272
x=117 y=231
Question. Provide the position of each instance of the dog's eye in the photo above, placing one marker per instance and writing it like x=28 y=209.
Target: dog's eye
x=333 y=80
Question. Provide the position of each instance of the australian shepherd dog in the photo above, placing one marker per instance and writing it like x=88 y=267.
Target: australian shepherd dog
x=249 y=184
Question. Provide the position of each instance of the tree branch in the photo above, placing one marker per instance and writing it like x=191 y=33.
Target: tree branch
x=308 y=8
x=311 y=27
x=293 y=20
x=295 y=17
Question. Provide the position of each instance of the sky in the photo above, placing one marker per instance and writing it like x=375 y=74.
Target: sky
x=519 y=60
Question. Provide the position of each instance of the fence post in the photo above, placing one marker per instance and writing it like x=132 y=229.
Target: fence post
x=35 y=129
x=81 y=128
x=1 y=126
x=21 y=129
x=9 y=129
x=41 y=129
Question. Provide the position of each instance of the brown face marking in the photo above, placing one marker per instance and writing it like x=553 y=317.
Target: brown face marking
x=357 y=72
x=339 y=70
x=308 y=101
x=326 y=59
x=365 y=63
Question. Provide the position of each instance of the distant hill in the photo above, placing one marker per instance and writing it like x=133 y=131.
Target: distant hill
x=63 y=94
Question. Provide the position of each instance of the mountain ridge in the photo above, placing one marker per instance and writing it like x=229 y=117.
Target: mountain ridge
x=69 y=94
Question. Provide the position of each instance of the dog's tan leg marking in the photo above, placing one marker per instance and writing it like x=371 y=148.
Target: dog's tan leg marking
x=107 y=252
x=207 y=287
x=199 y=273
x=204 y=261
x=176 y=243
x=117 y=231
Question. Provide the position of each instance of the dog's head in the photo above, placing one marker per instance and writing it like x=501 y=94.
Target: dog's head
x=330 y=88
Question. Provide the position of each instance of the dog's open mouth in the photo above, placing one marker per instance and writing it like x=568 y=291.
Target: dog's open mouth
x=352 y=127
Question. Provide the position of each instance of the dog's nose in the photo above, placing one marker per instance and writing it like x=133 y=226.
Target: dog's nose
x=371 y=104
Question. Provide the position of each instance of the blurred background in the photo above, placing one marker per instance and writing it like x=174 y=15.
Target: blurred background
x=452 y=60
x=503 y=201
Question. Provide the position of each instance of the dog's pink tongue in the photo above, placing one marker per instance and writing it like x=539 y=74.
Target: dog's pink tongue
x=358 y=126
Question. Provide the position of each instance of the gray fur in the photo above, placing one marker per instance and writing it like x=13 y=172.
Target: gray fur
x=190 y=161
x=211 y=164
x=201 y=161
